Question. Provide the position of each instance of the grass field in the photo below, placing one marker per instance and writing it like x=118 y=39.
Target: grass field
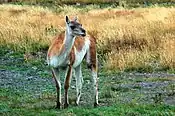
x=26 y=88
x=138 y=40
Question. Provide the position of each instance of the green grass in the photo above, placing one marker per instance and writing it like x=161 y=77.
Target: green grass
x=116 y=109
x=19 y=103
x=30 y=91
x=102 y=3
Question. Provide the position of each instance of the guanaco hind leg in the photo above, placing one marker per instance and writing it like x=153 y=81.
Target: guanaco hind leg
x=92 y=62
x=55 y=73
x=95 y=83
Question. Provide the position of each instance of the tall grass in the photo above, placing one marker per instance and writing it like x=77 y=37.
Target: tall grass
x=142 y=38
x=88 y=1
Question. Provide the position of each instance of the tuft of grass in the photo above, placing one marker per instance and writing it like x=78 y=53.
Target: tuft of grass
x=140 y=39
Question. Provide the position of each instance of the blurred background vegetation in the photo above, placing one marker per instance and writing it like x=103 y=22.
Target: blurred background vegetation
x=131 y=3
x=128 y=38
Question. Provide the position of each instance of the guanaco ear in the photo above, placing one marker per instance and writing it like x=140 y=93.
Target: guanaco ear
x=75 y=18
x=67 y=19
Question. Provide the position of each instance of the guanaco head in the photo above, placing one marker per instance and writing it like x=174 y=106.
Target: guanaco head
x=75 y=28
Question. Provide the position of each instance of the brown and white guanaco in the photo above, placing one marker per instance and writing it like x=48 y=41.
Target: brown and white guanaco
x=68 y=50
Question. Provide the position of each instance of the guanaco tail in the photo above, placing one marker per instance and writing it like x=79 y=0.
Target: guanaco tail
x=68 y=50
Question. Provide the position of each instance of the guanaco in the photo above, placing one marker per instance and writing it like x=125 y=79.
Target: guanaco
x=68 y=50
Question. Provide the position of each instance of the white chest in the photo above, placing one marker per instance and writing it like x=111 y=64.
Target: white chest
x=79 y=55
x=63 y=59
x=56 y=61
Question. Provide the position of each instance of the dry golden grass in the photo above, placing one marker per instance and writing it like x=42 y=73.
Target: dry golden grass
x=87 y=1
x=128 y=39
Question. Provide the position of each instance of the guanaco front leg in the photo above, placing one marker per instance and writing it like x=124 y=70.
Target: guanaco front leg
x=55 y=73
x=67 y=84
x=79 y=82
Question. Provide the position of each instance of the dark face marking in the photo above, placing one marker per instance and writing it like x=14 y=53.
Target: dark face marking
x=77 y=28
x=72 y=27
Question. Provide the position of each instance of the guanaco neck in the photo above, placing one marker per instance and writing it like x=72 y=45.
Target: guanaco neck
x=68 y=42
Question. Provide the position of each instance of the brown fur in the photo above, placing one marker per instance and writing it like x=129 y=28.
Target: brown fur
x=79 y=42
x=68 y=76
x=57 y=47
x=67 y=84
x=72 y=56
x=92 y=51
